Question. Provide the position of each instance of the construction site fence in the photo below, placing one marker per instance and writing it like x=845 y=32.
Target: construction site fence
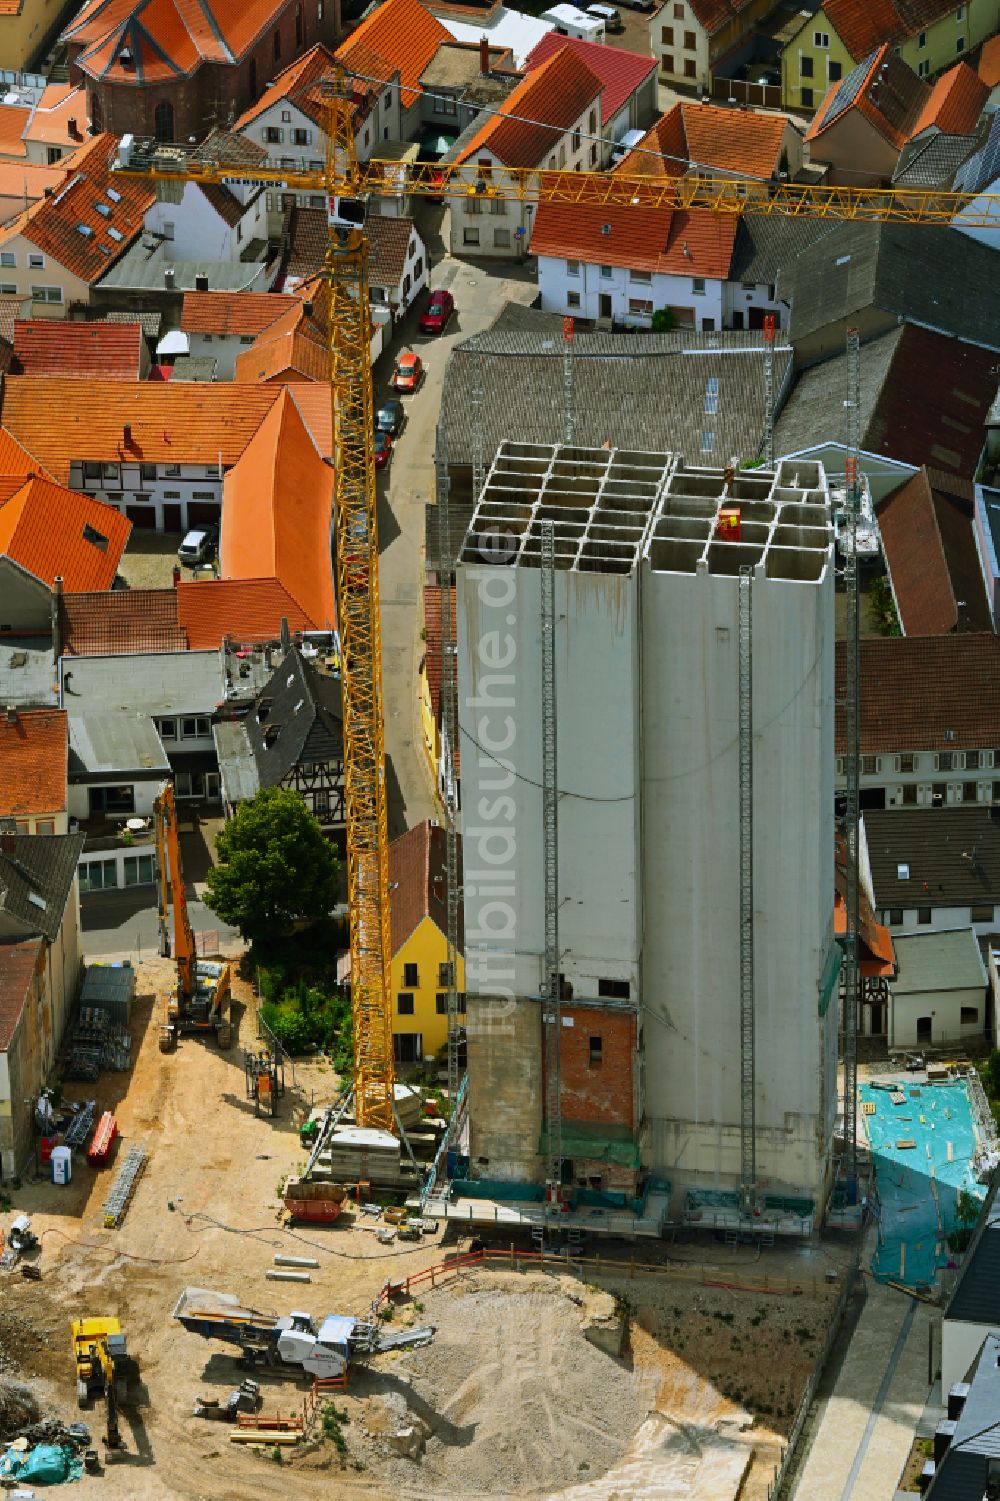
x=297 y=1419
x=517 y=1260
x=789 y=1452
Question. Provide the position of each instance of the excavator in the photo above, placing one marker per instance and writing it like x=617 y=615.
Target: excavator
x=199 y=1000
x=104 y=1367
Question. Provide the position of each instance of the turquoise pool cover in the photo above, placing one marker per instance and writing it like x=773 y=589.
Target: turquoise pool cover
x=918 y=1186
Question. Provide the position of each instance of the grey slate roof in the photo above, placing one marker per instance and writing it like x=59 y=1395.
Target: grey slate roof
x=815 y=412
x=27 y=672
x=237 y=767
x=974 y=1299
x=956 y=851
x=150 y=322
x=297 y=717
x=937 y=961
x=931 y=159
x=927 y=274
x=188 y=682
x=118 y=743
x=36 y=878
x=142 y=270
x=965 y=1466
x=767 y=245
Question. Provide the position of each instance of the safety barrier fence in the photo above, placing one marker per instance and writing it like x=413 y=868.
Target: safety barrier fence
x=299 y=1418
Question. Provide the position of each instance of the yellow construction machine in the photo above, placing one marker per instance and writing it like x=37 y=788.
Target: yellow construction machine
x=199 y=1000
x=105 y=1369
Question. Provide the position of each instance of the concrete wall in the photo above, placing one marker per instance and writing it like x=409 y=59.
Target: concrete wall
x=944 y=1007
x=960 y=1344
x=690 y=838
x=858 y=156
x=25 y=602
x=196 y=232
x=504 y=1056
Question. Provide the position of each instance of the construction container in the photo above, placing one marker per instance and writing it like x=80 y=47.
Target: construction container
x=110 y=988
x=62 y=1164
x=314 y=1203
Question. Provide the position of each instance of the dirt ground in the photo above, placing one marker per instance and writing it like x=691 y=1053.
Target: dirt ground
x=698 y=1354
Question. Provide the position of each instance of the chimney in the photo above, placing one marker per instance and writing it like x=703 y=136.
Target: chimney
x=73 y=128
x=484 y=56
x=128 y=435
x=201 y=283
x=12 y=714
x=168 y=280
x=307 y=309
x=177 y=575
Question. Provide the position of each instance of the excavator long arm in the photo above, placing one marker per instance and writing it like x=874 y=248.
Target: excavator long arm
x=171 y=891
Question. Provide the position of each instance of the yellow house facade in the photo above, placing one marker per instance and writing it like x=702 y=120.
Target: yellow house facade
x=419 y=966
x=829 y=43
x=25 y=27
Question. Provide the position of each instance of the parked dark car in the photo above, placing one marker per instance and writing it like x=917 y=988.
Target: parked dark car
x=391 y=416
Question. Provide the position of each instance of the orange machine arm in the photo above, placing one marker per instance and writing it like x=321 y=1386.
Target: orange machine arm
x=171 y=889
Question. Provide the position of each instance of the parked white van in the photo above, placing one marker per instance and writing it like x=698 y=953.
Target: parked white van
x=607 y=13
x=572 y=22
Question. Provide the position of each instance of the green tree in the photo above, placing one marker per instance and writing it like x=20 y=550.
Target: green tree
x=273 y=866
x=990 y=1074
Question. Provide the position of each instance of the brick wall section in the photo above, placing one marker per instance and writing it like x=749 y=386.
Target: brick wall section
x=602 y=1091
x=216 y=93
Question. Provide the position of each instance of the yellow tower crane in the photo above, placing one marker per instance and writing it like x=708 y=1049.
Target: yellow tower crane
x=347 y=183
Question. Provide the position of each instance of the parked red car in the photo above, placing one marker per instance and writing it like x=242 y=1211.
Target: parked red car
x=437 y=312
x=383 y=448
x=408 y=372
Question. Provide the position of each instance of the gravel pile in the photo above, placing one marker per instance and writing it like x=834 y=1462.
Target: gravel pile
x=517 y=1401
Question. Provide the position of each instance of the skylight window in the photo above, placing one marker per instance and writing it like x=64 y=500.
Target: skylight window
x=85 y=230
x=114 y=195
x=92 y=535
x=707 y=442
x=115 y=234
x=102 y=208
x=711 y=396
x=37 y=901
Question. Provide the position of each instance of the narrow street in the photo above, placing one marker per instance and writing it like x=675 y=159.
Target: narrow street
x=404 y=490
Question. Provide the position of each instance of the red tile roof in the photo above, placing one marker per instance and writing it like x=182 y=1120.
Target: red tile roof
x=417 y=882
x=693 y=242
x=49 y=530
x=403 y=33
x=890 y=97
x=744 y=142
x=926 y=693
x=292 y=356
x=56 y=224
x=955 y=103
x=864 y=25
x=185 y=423
x=276 y=513
x=118 y=622
x=298 y=84
x=28 y=181
x=167 y=39
x=546 y=103
x=105 y=351
x=250 y=609
x=620 y=72
x=50 y=124
x=916 y=562
x=714 y=14
x=16 y=460
x=239 y=313
x=989 y=62
x=933 y=402
x=34 y=757
x=13 y=124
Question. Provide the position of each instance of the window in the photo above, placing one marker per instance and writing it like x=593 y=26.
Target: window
x=960 y=44
x=593 y=154
x=572 y=268
x=690 y=68
x=667 y=63
x=408 y=1047
x=922 y=39
x=924 y=915
x=404 y=1003
x=711 y=396
x=821 y=39
x=840 y=766
x=98 y=539
x=607 y=272
x=98 y=875
x=807 y=67
x=8 y=288
x=139 y=870
x=974 y=759
x=970 y=1016
x=273 y=135
x=572 y=299
x=906 y=763
x=418 y=268
x=960 y=13
x=441 y=1003
x=678 y=12
x=195 y=729
x=614 y=990
x=470 y=236
x=576 y=140
x=301 y=137
x=8 y=258
x=667 y=35
x=276 y=44
x=446 y=105
x=870 y=765
x=47 y=294
x=910 y=793
x=689 y=41
x=167 y=729
x=643 y=278
x=36 y=262
x=596 y=1051
x=110 y=473
x=172 y=471
x=923 y=68
x=498 y=206
x=92 y=473
x=444 y=974
x=501 y=239
x=410 y=975
x=980 y=914
x=474 y=206
x=203 y=495
x=641 y=307
x=895 y=917
x=707 y=442
x=834 y=71
x=387 y=99
x=945 y=760
x=969 y=792
x=996 y=792
x=807 y=98
x=111 y=799
x=45 y=826
x=163 y=121
x=698 y=286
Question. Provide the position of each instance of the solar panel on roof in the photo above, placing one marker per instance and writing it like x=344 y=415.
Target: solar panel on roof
x=847 y=93
x=983 y=167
